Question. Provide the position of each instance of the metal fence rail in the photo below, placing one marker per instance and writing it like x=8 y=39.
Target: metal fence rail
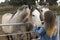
x=15 y=33
x=14 y=24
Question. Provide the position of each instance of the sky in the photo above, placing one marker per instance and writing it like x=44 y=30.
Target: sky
x=59 y=1
x=2 y=1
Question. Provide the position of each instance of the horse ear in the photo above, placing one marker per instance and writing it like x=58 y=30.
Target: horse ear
x=20 y=8
x=33 y=7
x=47 y=5
x=31 y=10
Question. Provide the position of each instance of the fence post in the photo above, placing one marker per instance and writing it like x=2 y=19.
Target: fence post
x=58 y=26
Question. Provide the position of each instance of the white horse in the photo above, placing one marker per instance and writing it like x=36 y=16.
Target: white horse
x=35 y=16
x=5 y=19
x=43 y=9
x=21 y=15
x=17 y=18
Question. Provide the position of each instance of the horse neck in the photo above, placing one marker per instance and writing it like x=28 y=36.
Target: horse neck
x=17 y=17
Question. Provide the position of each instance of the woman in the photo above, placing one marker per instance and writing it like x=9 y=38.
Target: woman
x=48 y=31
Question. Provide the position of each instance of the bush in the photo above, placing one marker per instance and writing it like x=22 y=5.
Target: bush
x=21 y=2
x=7 y=9
x=55 y=9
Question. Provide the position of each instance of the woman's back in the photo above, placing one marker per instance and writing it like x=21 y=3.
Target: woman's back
x=44 y=36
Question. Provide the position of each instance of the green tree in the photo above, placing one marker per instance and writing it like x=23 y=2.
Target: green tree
x=14 y=2
x=21 y=2
x=52 y=2
x=7 y=2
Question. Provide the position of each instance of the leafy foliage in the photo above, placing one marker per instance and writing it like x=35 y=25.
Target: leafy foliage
x=51 y=2
x=21 y=2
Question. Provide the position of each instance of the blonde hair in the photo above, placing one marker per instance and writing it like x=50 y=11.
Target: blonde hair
x=50 y=22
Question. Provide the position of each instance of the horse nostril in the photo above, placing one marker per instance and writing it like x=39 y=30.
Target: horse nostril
x=42 y=22
x=39 y=27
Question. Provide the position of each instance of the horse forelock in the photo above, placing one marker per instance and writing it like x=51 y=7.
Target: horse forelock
x=33 y=9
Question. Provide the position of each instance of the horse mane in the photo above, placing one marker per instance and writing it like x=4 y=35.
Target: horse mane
x=33 y=8
x=22 y=7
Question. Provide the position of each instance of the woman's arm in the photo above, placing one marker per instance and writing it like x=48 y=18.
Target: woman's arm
x=39 y=31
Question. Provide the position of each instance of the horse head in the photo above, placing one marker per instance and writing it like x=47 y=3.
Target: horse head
x=43 y=9
x=35 y=16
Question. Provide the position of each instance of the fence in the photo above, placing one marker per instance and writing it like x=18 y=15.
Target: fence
x=58 y=24
x=15 y=24
x=20 y=24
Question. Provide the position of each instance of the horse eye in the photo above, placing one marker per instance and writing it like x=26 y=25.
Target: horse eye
x=33 y=15
x=41 y=10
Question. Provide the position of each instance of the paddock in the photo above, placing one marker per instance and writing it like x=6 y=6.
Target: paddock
x=2 y=36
